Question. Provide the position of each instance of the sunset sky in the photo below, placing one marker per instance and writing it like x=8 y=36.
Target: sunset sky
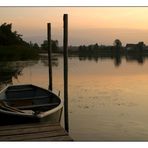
x=87 y=25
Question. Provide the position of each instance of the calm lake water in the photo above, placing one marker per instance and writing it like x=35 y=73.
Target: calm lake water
x=107 y=101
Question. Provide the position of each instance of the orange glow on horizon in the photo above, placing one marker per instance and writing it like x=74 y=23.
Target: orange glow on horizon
x=31 y=21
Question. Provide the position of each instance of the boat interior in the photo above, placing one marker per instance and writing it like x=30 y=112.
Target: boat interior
x=29 y=97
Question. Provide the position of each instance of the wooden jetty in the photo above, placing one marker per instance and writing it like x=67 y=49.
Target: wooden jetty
x=34 y=132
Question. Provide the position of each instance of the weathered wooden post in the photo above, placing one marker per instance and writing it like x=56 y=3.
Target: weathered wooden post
x=65 y=51
x=49 y=55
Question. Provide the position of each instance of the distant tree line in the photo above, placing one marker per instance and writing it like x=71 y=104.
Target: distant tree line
x=13 y=47
x=96 y=50
x=115 y=49
x=93 y=48
x=137 y=52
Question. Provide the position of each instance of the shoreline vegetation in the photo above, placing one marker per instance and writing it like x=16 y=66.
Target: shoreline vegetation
x=17 y=52
x=14 y=48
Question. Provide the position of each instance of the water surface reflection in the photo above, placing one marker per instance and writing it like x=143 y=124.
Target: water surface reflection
x=105 y=102
x=117 y=58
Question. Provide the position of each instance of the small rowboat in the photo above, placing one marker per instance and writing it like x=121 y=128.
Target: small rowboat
x=29 y=103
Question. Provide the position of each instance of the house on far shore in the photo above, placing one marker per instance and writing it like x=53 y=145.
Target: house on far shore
x=146 y=48
x=130 y=46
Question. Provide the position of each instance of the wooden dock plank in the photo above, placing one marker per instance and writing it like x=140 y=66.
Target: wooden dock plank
x=33 y=136
x=59 y=138
x=24 y=126
x=29 y=130
x=34 y=132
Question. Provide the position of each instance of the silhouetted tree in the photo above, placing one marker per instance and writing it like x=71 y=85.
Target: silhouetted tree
x=36 y=46
x=117 y=43
x=96 y=46
x=13 y=47
x=7 y=37
x=44 y=45
x=117 y=52
x=54 y=45
x=140 y=45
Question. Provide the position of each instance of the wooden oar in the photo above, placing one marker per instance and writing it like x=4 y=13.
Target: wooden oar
x=10 y=108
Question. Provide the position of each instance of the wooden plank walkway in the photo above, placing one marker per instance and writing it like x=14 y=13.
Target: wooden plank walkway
x=34 y=132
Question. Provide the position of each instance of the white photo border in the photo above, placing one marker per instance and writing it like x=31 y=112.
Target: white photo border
x=73 y=3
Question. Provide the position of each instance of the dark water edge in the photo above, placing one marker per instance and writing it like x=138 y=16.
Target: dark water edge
x=17 y=53
x=13 y=68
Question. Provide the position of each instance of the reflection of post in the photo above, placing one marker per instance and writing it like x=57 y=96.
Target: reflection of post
x=65 y=46
x=49 y=55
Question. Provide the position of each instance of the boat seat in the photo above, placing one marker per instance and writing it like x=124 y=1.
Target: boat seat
x=38 y=106
x=5 y=106
x=18 y=90
x=27 y=98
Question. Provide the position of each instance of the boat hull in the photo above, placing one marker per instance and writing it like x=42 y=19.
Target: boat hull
x=9 y=119
x=52 y=115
